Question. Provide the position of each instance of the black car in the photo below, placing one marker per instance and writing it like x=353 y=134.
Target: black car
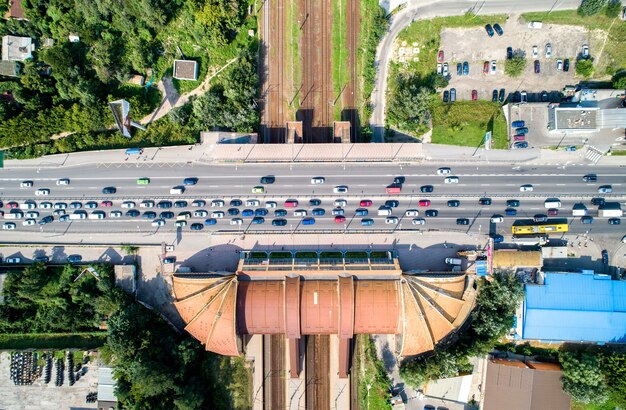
x=235 y=202
x=453 y=203
x=498 y=238
x=46 y=220
x=426 y=188
x=233 y=211
x=597 y=201
x=446 y=96
x=509 y=53
x=614 y=221
x=392 y=203
x=74 y=258
x=494 y=96
x=431 y=213
x=149 y=215
x=196 y=227
x=459 y=69
x=544 y=96
x=166 y=215
x=520 y=144
x=537 y=67
x=180 y=204
x=501 y=95
x=280 y=212
x=190 y=181
x=315 y=202
x=566 y=64
x=279 y=222
x=512 y=202
x=164 y=204
x=498 y=29
x=605 y=257
x=540 y=218
x=489 y=30
x=462 y=221
x=484 y=201
x=269 y=179
x=41 y=259
x=590 y=178
x=133 y=213
x=399 y=180
x=109 y=190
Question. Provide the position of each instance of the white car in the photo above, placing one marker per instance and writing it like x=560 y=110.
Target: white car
x=115 y=214
x=412 y=212
x=341 y=202
x=200 y=213
x=63 y=181
x=497 y=219
x=28 y=205
x=32 y=214
x=585 y=51
x=217 y=203
x=252 y=202
x=439 y=68
x=445 y=71
x=45 y=205
x=494 y=66
x=418 y=221
x=523 y=97
x=147 y=204
x=451 y=180
x=391 y=220
x=29 y=222
x=317 y=180
x=9 y=226
x=271 y=204
x=299 y=212
x=559 y=65
x=340 y=189
x=548 y=50
x=236 y=221
x=42 y=192
x=338 y=211
x=158 y=222
x=26 y=184
x=444 y=171
x=526 y=188
x=180 y=224
x=535 y=51
x=128 y=204
x=217 y=214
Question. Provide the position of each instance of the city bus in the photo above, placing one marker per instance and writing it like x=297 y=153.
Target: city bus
x=539 y=228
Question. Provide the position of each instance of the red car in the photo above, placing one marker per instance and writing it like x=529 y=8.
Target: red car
x=553 y=212
x=12 y=205
x=106 y=204
x=291 y=203
x=486 y=67
x=440 y=56
x=424 y=202
x=519 y=137
x=365 y=202
x=474 y=95
x=339 y=219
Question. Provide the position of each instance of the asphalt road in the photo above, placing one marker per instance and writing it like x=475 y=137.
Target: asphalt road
x=365 y=181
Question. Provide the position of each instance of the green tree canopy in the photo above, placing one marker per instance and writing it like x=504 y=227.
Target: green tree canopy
x=408 y=105
x=584 y=68
x=582 y=378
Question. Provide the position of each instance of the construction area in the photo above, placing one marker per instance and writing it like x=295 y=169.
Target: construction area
x=308 y=71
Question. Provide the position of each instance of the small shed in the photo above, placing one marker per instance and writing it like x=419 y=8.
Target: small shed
x=185 y=70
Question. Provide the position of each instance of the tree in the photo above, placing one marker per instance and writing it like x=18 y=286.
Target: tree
x=613 y=368
x=408 y=105
x=619 y=83
x=584 y=68
x=514 y=67
x=613 y=8
x=590 y=7
x=582 y=378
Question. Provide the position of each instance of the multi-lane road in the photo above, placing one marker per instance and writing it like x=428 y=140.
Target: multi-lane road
x=365 y=181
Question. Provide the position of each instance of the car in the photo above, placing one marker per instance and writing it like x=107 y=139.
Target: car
x=361 y=212
x=46 y=220
x=590 y=178
x=341 y=202
x=247 y=212
x=233 y=211
x=180 y=204
x=308 y=221
x=452 y=95
x=76 y=205
x=196 y=227
x=559 y=65
x=167 y=215
x=489 y=30
x=32 y=214
x=318 y=212
x=158 y=222
x=106 y=204
x=143 y=181
x=392 y=203
x=291 y=203
x=160 y=204
x=181 y=223
x=494 y=66
x=299 y=212
x=280 y=212
x=63 y=181
x=440 y=56
x=498 y=29
x=605 y=189
x=220 y=214
x=513 y=203
x=201 y=213
x=399 y=180
x=365 y=202
x=258 y=190
x=26 y=184
x=48 y=205
x=535 y=51
x=520 y=145
x=252 y=202
x=424 y=202
x=474 y=95
x=518 y=124
x=41 y=259
x=426 y=188
x=585 y=53
x=218 y=203
x=537 y=67
x=315 y=202
x=127 y=204
x=59 y=212
x=412 y=212
x=444 y=70
x=8 y=226
x=74 y=258
x=465 y=68
x=614 y=221
x=149 y=215
x=198 y=203
x=337 y=211
x=494 y=96
x=524 y=97
x=545 y=97
x=236 y=221
x=268 y=179
x=109 y=190
x=446 y=96
x=570 y=148
x=340 y=219
x=510 y=212
x=496 y=219
x=459 y=69
x=451 y=180
x=42 y=192
x=133 y=213
x=453 y=203
x=261 y=212
x=597 y=201
x=367 y=221
x=169 y=260
x=462 y=221
x=526 y=188
x=553 y=212
x=498 y=238
x=519 y=137
x=444 y=171
x=548 y=50
x=30 y=205
x=484 y=201
x=501 y=95
x=190 y=181
x=605 y=257
x=233 y=202
x=540 y=218
x=418 y=221
x=431 y=213
x=586 y=219
x=509 y=53
x=258 y=220
x=566 y=64
x=177 y=190
x=150 y=204
x=340 y=189
x=28 y=222
x=439 y=68
x=210 y=221
x=279 y=222
x=391 y=220
x=317 y=180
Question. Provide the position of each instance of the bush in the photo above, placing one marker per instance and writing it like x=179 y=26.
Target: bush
x=619 y=83
x=515 y=66
x=613 y=8
x=591 y=7
x=584 y=68
x=582 y=378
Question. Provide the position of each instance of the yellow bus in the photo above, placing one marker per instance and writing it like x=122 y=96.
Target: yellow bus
x=539 y=228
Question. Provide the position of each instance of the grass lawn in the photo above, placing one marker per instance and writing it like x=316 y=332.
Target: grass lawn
x=340 y=73
x=293 y=56
x=465 y=123
x=613 y=58
x=371 y=373
x=52 y=341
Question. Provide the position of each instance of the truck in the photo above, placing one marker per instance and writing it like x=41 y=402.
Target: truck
x=610 y=210
x=579 y=209
x=393 y=189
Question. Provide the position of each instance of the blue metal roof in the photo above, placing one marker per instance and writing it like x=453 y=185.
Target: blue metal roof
x=576 y=307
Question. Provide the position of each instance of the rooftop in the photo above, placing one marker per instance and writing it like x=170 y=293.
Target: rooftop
x=15 y=10
x=575 y=118
x=17 y=48
x=185 y=70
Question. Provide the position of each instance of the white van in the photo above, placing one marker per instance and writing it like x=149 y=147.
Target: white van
x=552 y=203
x=78 y=215
x=28 y=205
x=177 y=190
x=384 y=211
x=14 y=215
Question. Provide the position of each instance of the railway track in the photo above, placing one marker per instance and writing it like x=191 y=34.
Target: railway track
x=274 y=393
x=351 y=91
x=318 y=372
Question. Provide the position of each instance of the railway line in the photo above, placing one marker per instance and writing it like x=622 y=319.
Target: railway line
x=350 y=107
x=274 y=372
x=317 y=372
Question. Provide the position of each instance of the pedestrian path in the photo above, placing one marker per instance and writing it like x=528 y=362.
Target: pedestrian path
x=593 y=154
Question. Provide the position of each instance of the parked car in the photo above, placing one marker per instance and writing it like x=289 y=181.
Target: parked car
x=548 y=50
x=462 y=221
x=439 y=68
x=524 y=97
x=489 y=30
x=74 y=258
x=535 y=51
x=474 y=95
x=445 y=71
x=566 y=64
x=446 y=96
x=498 y=29
x=493 y=66
x=518 y=123
x=521 y=130
x=452 y=95
x=501 y=95
x=585 y=51
x=544 y=96
x=559 y=65
x=605 y=257
x=465 y=68
x=440 y=56
x=520 y=145
x=537 y=67
x=494 y=96
x=509 y=53
x=519 y=137
x=486 y=67
x=459 y=69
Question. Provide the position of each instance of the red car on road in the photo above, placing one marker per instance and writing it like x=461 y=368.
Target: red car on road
x=106 y=204
x=339 y=219
x=12 y=205
x=440 y=56
x=553 y=212
x=424 y=202
x=291 y=203
x=365 y=202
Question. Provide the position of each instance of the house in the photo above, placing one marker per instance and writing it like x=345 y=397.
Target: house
x=15 y=10
x=10 y=68
x=106 y=389
x=17 y=48
x=185 y=70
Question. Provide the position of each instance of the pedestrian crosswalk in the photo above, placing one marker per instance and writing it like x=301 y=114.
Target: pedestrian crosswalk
x=593 y=154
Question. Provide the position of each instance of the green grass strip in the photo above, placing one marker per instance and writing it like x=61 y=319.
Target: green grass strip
x=88 y=340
